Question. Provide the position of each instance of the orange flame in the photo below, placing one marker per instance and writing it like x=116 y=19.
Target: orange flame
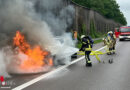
x=36 y=56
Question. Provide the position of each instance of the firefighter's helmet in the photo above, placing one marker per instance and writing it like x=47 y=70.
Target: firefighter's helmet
x=82 y=36
x=110 y=32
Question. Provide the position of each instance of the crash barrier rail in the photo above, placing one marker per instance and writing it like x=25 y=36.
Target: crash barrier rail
x=97 y=39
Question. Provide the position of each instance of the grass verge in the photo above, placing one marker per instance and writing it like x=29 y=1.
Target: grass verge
x=97 y=41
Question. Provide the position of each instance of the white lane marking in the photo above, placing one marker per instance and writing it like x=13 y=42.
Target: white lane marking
x=49 y=73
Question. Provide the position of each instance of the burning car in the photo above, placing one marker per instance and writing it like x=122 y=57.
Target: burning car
x=29 y=59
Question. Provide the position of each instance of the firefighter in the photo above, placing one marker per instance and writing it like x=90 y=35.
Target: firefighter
x=87 y=44
x=111 y=42
x=114 y=42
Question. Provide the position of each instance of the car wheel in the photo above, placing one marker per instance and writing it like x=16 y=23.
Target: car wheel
x=120 y=39
x=74 y=56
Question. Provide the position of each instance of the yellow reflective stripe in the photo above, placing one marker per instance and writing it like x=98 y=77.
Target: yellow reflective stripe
x=84 y=42
x=89 y=62
x=88 y=49
x=88 y=41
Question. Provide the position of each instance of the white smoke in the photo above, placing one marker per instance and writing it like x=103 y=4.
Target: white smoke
x=43 y=21
x=3 y=64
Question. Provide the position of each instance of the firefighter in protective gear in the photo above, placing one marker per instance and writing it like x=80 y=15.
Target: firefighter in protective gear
x=111 y=42
x=114 y=42
x=87 y=44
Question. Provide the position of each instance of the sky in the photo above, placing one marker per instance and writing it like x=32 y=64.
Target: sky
x=125 y=8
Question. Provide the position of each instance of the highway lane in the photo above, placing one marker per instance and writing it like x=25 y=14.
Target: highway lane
x=102 y=76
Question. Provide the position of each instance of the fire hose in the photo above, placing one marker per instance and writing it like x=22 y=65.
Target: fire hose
x=95 y=53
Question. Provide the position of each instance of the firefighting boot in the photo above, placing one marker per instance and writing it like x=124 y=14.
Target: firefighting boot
x=88 y=64
x=110 y=61
x=108 y=53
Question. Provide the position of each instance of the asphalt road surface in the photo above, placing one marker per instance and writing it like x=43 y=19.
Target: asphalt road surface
x=101 y=76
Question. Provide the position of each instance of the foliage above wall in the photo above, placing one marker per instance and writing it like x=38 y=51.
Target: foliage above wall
x=108 y=8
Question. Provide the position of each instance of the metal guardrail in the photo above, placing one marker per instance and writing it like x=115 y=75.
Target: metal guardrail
x=97 y=39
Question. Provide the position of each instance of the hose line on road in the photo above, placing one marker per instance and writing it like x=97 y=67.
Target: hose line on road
x=95 y=53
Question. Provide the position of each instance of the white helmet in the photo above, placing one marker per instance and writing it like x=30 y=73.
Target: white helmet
x=82 y=36
x=110 y=32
